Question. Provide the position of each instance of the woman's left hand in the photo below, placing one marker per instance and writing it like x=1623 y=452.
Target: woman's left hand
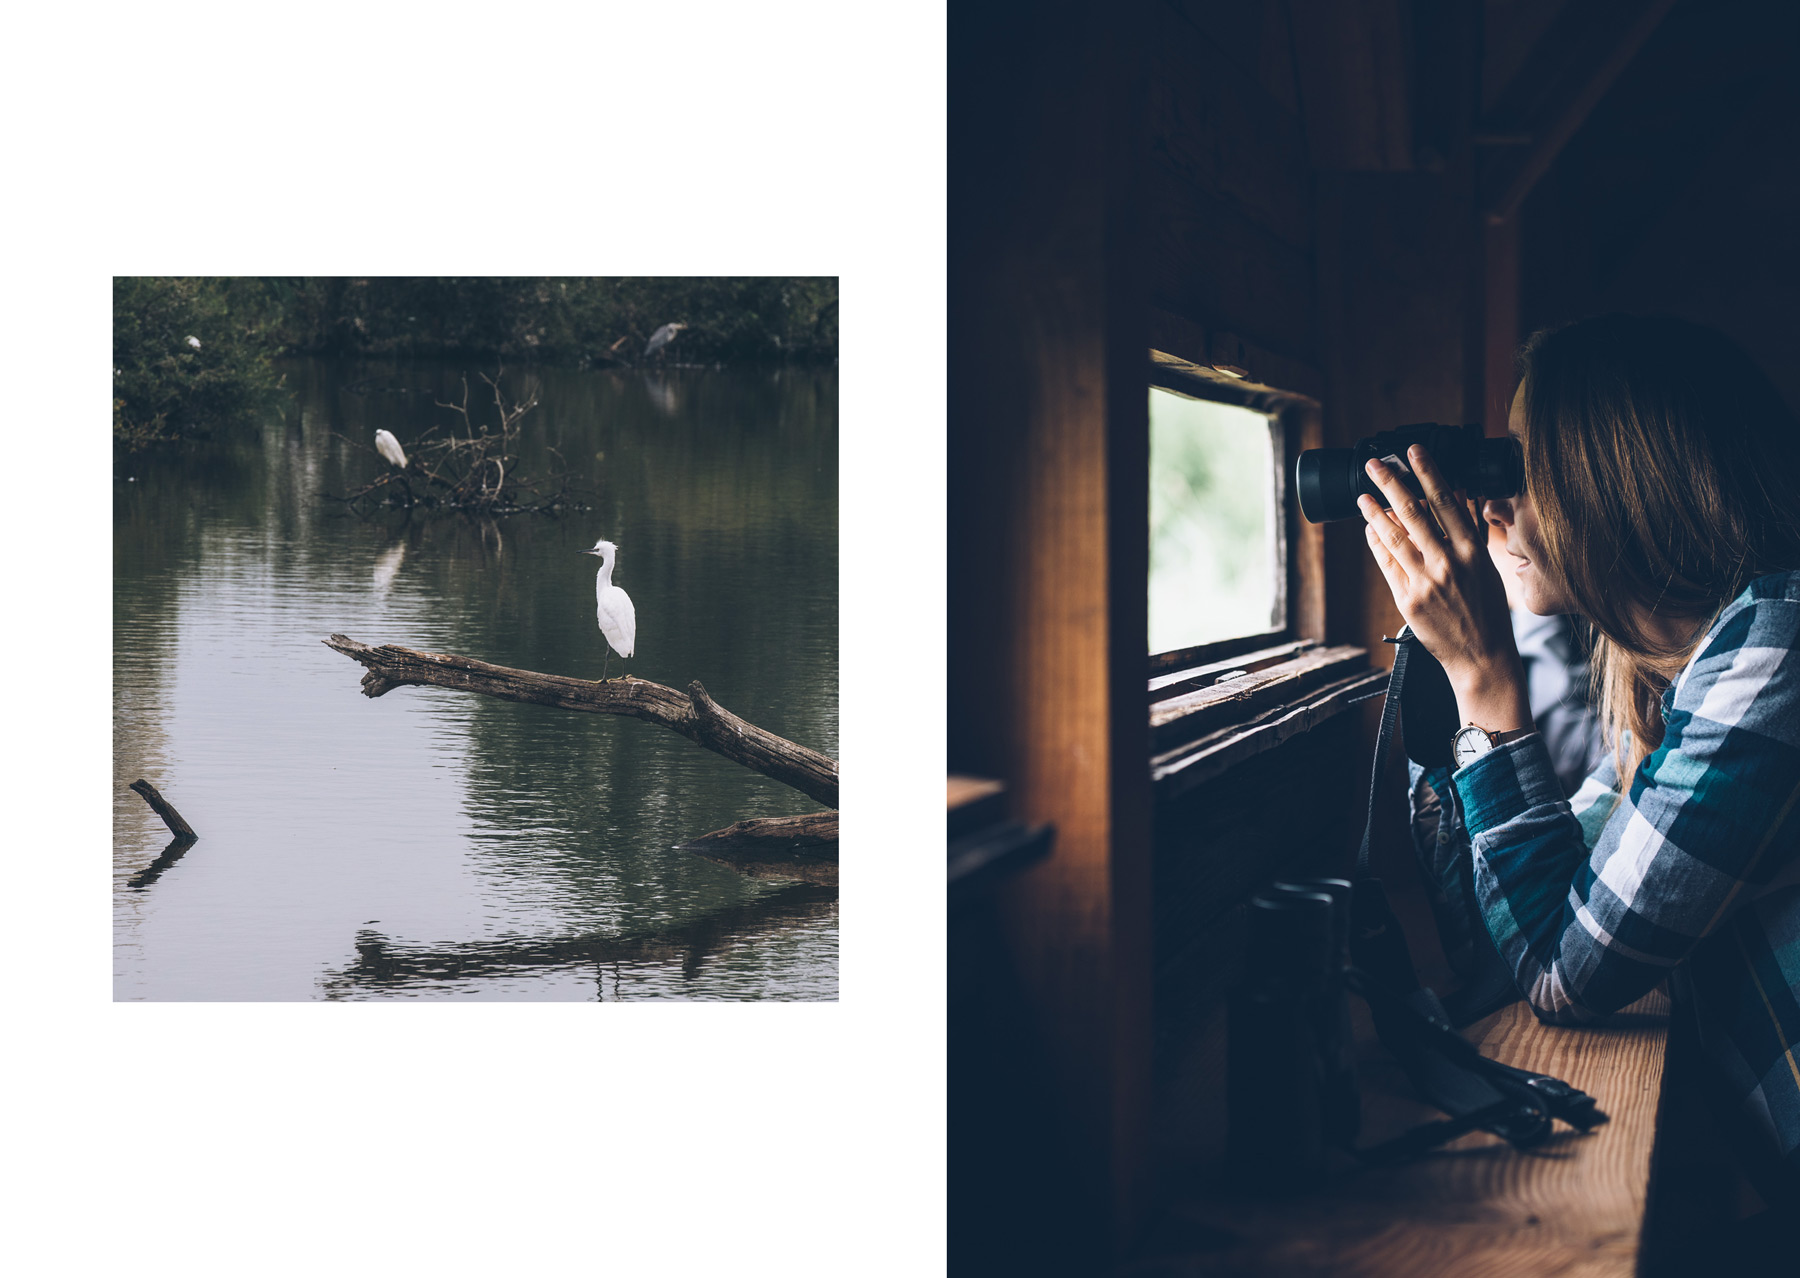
x=1433 y=552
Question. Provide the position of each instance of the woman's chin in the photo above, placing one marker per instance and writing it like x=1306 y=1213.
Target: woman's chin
x=1535 y=595
x=1547 y=603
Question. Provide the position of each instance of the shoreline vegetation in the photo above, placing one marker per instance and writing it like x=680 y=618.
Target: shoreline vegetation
x=193 y=356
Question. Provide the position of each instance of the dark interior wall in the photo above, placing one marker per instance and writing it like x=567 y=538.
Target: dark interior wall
x=1228 y=230
x=1681 y=192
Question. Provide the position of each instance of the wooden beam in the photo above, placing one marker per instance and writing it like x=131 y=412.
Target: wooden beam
x=1510 y=180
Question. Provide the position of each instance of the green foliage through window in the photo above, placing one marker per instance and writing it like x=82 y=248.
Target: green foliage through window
x=1213 y=523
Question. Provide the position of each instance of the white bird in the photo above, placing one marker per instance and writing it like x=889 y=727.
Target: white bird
x=194 y=342
x=389 y=447
x=661 y=338
x=618 y=619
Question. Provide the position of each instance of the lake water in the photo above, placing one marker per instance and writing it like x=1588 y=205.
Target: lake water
x=431 y=844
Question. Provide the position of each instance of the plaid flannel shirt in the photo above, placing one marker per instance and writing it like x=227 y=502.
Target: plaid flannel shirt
x=1694 y=873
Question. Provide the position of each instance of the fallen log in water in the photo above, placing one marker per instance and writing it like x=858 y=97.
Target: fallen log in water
x=693 y=713
x=799 y=847
x=164 y=809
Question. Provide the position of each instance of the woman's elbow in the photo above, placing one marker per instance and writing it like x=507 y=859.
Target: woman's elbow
x=1553 y=1002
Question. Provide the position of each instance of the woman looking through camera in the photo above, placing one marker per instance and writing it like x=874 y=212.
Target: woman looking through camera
x=1662 y=504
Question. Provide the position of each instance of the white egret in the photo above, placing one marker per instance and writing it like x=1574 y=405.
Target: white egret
x=194 y=342
x=389 y=447
x=618 y=619
x=661 y=338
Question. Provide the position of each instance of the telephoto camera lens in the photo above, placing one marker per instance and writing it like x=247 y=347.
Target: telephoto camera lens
x=1275 y=1061
x=1331 y=1017
x=1329 y=480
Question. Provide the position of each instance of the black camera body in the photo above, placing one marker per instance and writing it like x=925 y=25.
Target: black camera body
x=1329 y=480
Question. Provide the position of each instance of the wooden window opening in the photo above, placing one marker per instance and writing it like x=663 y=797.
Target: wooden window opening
x=1214 y=704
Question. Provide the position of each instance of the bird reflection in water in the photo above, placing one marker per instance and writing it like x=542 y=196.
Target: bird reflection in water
x=387 y=565
x=662 y=395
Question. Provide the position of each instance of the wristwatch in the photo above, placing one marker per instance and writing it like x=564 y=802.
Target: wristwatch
x=1470 y=743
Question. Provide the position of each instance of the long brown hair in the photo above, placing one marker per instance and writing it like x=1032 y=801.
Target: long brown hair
x=1665 y=472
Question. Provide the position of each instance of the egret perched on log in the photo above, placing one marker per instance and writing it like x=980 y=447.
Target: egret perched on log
x=661 y=338
x=618 y=619
x=389 y=447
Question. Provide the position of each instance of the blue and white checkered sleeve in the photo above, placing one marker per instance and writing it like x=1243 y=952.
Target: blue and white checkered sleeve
x=1588 y=932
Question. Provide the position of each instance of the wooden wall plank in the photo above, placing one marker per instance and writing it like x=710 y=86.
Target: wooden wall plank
x=1216 y=127
x=1048 y=445
x=1209 y=261
x=1354 y=64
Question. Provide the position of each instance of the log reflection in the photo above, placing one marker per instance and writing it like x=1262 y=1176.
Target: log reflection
x=383 y=964
x=178 y=846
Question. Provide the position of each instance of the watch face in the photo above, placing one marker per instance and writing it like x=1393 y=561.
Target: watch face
x=1468 y=745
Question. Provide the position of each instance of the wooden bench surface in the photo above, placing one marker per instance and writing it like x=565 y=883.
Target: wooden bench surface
x=1477 y=1208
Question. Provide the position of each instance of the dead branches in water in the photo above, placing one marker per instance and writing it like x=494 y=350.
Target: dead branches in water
x=796 y=847
x=692 y=713
x=474 y=469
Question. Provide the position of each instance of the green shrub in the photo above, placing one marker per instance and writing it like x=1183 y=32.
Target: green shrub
x=166 y=389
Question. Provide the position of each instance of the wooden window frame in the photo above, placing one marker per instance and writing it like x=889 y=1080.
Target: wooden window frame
x=1212 y=705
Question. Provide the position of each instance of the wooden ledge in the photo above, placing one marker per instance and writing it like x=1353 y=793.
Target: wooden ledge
x=1235 y=697
x=1574 y=1206
x=1293 y=707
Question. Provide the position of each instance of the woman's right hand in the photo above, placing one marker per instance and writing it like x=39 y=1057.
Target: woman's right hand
x=1433 y=552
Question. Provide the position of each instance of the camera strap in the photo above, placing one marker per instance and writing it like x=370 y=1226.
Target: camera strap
x=1444 y=1067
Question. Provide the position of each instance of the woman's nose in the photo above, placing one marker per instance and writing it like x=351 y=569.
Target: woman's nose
x=1498 y=511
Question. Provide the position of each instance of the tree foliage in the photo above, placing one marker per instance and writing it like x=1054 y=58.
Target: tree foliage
x=730 y=320
x=167 y=389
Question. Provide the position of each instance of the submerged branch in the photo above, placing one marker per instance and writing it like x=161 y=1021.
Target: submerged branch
x=693 y=713
x=164 y=809
x=794 y=847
